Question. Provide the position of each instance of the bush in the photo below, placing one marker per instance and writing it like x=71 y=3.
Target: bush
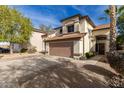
x=32 y=50
x=89 y=54
x=23 y=50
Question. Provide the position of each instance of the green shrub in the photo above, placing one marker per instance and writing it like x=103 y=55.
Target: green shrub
x=23 y=50
x=89 y=54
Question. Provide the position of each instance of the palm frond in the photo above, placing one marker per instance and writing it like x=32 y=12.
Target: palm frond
x=121 y=9
x=107 y=11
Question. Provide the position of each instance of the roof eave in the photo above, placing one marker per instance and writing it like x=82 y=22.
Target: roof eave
x=102 y=29
x=67 y=38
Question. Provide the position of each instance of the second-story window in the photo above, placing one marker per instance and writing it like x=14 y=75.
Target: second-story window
x=70 y=28
x=90 y=31
x=60 y=31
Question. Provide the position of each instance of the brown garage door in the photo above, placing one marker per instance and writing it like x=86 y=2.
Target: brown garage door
x=64 y=49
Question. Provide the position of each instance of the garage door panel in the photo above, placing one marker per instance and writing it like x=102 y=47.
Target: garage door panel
x=64 y=49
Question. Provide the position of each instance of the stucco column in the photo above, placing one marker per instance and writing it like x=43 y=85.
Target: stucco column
x=76 y=27
x=64 y=29
x=81 y=46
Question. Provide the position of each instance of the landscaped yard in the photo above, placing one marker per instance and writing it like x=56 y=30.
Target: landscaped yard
x=47 y=71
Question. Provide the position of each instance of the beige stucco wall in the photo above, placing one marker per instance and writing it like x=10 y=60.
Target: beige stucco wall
x=47 y=47
x=81 y=46
x=84 y=26
x=101 y=32
x=71 y=21
x=37 y=41
x=76 y=47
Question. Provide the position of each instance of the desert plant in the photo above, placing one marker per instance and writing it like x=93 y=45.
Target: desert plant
x=89 y=54
x=23 y=50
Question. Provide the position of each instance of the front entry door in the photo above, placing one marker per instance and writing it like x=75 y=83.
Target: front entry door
x=100 y=48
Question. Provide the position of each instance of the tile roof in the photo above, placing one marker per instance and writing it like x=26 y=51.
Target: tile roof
x=66 y=36
x=104 y=26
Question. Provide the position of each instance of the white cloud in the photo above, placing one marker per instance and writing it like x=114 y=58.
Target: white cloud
x=95 y=12
x=51 y=15
x=84 y=8
x=81 y=9
x=38 y=17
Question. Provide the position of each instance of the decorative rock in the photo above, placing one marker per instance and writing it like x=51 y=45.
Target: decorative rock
x=116 y=82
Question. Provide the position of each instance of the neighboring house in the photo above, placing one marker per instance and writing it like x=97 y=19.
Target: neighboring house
x=77 y=35
x=36 y=40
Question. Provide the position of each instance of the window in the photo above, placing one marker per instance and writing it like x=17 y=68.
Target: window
x=89 y=30
x=60 y=31
x=70 y=28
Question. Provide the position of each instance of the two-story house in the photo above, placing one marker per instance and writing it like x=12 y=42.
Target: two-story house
x=78 y=35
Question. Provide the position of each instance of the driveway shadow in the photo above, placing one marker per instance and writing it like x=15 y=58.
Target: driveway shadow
x=99 y=70
x=11 y=73
x=44 y=73
x=60 y=76
x=99 y=58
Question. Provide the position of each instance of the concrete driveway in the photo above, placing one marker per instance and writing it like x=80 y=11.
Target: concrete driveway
x=45 y=71
x=12 y=70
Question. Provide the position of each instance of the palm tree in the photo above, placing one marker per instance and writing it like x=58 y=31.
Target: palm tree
x=113 y=13
x=112 y=27
x=114 y=58
x=119 y=11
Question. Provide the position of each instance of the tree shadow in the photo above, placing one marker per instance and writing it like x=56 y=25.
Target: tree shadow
x=99 y=70
x=11 y=74
x=59 y=76
x=44 y=73
x=99 y=58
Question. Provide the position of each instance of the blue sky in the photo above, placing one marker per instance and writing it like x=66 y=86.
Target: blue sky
x=52 y=14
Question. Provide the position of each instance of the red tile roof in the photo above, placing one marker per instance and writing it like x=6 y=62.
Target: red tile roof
x=104 y=26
